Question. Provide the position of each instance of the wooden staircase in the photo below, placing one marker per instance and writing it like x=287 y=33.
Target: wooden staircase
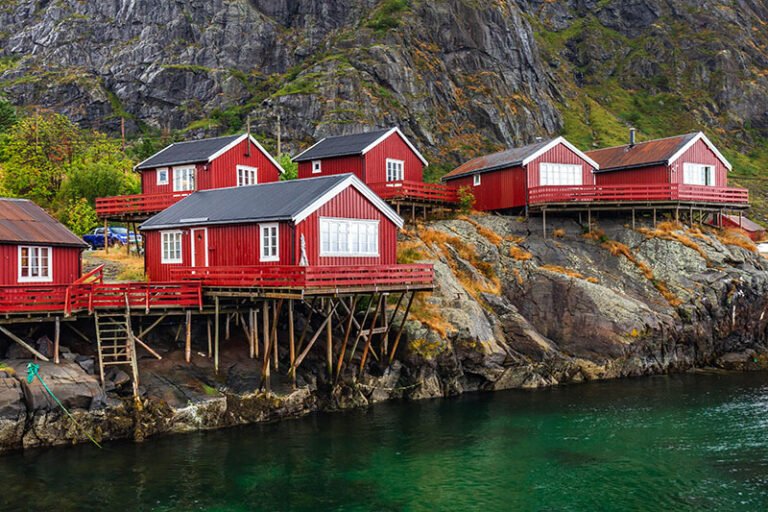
x=117 y=344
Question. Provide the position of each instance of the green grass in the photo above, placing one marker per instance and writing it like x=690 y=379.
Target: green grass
x=387 y=15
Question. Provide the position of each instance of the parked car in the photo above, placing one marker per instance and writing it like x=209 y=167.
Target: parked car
x=115 y=236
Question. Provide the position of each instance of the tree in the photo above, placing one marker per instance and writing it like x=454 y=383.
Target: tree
x=8 y=116
x=291 y=168
x=79 y=216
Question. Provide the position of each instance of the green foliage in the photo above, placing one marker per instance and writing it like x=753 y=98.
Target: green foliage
x=291 y=168
x=79 y=216
x=8 y=116
x=387 y=15
x=466 y=199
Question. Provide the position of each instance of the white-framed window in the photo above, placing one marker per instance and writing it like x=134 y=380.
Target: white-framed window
x=317 y=166
x=270 y=242
x=183 y=178
x=171 y=247
x=246 y=175
x=162 y=176
x=475 y=179
x=35 y=264
x=349 y=237
x=560 y=174
x=698 y=174
x=395 y=170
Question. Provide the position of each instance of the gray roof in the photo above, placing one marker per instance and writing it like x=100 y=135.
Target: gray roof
x=187 y=152
x=508 y=158
x=281 y=200
x=342 y=145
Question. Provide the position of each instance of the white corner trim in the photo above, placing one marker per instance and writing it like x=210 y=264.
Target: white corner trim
x=192 y=244
x=564 y=142
x=355 y=182
x=293 y=159
x=700 y=136
x=255 y=143
x=402 y=136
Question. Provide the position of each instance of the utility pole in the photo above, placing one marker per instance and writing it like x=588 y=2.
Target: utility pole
x=122 y=131
x=248 y=129
x=279 y=137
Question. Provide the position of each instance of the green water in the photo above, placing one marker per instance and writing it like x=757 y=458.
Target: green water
x=663 y=443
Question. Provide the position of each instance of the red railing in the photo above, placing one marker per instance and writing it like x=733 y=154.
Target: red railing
x=637 y=193
x=66 y=299
x=417 y=190
x=308 y=278
x=138 y=203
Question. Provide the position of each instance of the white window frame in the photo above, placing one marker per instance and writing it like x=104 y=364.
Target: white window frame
x=186 y=171
x=317 y=166
x=476 y=180
x=345 y=227
x=162 y=171
x=263 y=256
x=247 y=175
x=560 y=174
x=702 y=175
x=48 y=277
x=167 y=259
x=395 y=170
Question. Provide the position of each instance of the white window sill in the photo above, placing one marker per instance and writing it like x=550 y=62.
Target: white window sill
x=346 y=255
x=36 y=279
x=270 y=259
x=170 y=262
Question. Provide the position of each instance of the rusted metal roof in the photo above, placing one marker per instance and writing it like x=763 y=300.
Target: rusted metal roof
x=495 y=161
x=642 y=154
x=22 y=221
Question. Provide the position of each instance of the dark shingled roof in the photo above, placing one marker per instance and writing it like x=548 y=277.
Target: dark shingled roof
x=342 y=145
x=188 y=152
x=281 y=200
x=509 y=158
x=22 y=221
x=652 y=152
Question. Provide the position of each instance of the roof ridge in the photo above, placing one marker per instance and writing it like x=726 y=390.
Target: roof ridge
x=681 y=135
x=206 y=138
x=278 y=182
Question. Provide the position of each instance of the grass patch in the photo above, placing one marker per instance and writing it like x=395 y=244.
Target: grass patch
x=485 y=232
x=387 y=15
x=429 y=315
x=519 y=254
x=736 y=237
x=411 y=251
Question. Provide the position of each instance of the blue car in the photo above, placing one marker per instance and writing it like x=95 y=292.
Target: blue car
x=115 y=236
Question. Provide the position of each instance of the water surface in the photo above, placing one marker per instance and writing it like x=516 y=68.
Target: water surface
x=681 y=442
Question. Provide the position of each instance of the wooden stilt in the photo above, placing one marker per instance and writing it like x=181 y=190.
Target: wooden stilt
x=544 y=221
x=677 y=214
x=589 y=220
x=154 y=324
x=413 y=211
x=226 y=327
x=56 y=339
x=347 y=332
x=291 y=343
x=23 y=343
x=106 y=237
x=79 y=333
x=329 y=340
x=188 y=341
x=388 y=323
x=274 y=341
x=633 y=218
x=265 y=327
x=360 y=329
x=306 y=326
x=370 y=334
x=312 y=340
x=216 y=335
x=251 y=338
x=400 y=329
x=654 y=217
x=208 y=328
x=256 y=333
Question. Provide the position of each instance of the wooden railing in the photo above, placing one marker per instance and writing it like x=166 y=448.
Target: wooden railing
x=308 y=278
x=138 y=203
x=637 y=193
x=33 y=298
x=416 y=190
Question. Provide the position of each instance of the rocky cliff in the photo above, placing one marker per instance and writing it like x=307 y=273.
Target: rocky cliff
x=511 y=309
x=460 y=76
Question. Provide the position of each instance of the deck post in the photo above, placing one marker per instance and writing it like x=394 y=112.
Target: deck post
x=329 y=340
x=633 y=218
x=654 y=217
x=690 y=214
x=369 y=338
x=226 y=327
x=413 y=212
x=106 y=236
x=188 y=337
x=400 y=329
x=56 y=339
x=740 y=216
x=544 y=221
x=291 y=343
x=208 y=328
x=347 y=332
x=216 y=336
x=256 y=333
x=276 y=308
x=251 y=338
x=677 y=214
x=589 y=220
x=265 y=327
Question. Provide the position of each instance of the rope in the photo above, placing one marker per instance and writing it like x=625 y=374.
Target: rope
x=397 y=388
x=33 y=370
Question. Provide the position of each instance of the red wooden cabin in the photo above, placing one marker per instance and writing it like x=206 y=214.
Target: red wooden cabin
x=504 y=180
x=754 y=231
x=35 y=248
x=332 y=221
x=385 y=160
x=183 y=167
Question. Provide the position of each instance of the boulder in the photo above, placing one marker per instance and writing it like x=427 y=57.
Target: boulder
x=69 y=383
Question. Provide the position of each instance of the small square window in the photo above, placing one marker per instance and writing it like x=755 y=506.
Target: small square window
x=476 y=180
x=162 y=176
x=316 y=166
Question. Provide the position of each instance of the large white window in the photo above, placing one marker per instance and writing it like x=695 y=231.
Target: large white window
x=394 y=170
x=171 y=246
x=317 y=166
x=476 y=180
x=698 y=174
x=35 y=264
x=246 y=175
x=348 y=237
x=183 y=178
x=269 y=242
x=162 y=176
x=560 y=174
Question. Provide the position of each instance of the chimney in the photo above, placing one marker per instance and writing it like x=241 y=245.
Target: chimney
x=631 y=137
x=539 y=139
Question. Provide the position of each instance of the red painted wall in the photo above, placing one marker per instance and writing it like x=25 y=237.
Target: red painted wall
x=700 y=153
x=653 y=175
x=392 y=147
x=371 y=167
x=66 y=265
x=332 y=166
x=560 y=154
x=498 y=190
x=238 y=245
x=350 y=204
x=222 y=172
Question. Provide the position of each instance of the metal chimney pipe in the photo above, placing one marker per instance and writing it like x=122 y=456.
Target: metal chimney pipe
x=632 y=136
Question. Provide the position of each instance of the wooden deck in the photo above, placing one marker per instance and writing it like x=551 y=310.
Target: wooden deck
x=136 y=207
x=416 y=191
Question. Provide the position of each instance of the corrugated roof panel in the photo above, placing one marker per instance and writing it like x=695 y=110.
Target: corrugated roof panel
x=22 y=221
x=657 y=151
x=507 y=158
x=342 y=145
x=188 y=152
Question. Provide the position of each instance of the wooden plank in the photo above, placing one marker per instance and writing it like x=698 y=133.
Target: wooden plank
x=400 y=330
x=188 y=338
x=56 y=340
x=291 y=344
x=23 y=343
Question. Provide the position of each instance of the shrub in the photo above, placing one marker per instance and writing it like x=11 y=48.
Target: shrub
x=466 y=199
x=519 y=254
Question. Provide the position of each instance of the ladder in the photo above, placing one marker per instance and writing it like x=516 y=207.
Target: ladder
x=117 y=344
